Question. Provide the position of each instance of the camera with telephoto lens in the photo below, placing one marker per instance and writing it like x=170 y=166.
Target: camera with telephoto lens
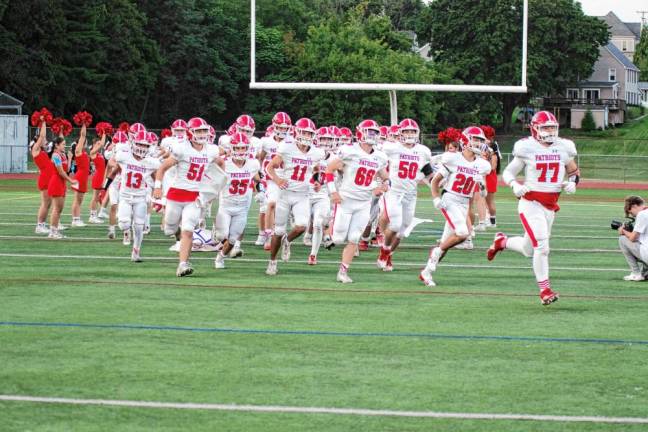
x=628 y=225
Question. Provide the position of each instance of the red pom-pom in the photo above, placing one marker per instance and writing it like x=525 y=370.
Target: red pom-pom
x=104 y=128
x=124 y=126
x=44 y=115
x=60 y=126
x=82 y=118
x=489 y=131
x=164 y=133
x=450 y=135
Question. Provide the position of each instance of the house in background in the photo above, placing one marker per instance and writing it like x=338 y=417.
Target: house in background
x=623 y=35
x=643 y=88
x=613 y=85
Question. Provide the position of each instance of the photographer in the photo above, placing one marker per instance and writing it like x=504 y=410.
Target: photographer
x=634 y=241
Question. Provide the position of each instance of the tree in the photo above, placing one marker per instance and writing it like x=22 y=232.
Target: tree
x=588 y=124
x=483 y=41
x=641 y=55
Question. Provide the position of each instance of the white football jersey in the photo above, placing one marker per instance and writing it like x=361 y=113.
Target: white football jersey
x=359 y=173
x=191 y=165
x=240 y=182
x=135 y=173
x=463 y=174
x=544 y=166
x=323 y=192
x=405 y=165
x=269 y=145
x=298 y=166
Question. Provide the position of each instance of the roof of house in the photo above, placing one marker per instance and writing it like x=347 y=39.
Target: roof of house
x=617 y=27
x=634 y=28
x=621 y=58
x=595 y=84
x=6 y=100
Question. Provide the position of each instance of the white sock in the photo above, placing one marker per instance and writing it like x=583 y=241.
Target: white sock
x=317 y=240
x=138 y=235
x=148 y=219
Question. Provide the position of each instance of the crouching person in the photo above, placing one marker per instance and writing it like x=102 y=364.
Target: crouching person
x=634 y=243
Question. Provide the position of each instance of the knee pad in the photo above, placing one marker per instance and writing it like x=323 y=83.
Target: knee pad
x=280 y=230
x=124 y=225
x=462 y=230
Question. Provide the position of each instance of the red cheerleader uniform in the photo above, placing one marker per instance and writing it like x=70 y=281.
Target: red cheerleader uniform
x=45 y=169
x=56 y=187
x=100 y=172
x=83 y=172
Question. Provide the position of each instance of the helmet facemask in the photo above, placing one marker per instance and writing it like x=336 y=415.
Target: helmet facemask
x=547 y=133
x=370 y=136
x=200 y=136
x=140 y=149
x=240 y=151
x=409 y=137
x=304 y=138
x=281 y=130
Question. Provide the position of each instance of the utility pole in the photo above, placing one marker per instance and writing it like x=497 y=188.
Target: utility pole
x=643 y=21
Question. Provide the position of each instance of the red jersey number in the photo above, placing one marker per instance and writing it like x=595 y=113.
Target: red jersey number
x=364 y=176
x=239 y=187
x=544 y=168
x=133 y=180
x=195 y=172
x=299 y=173
x=407 y=170
x=463 y=184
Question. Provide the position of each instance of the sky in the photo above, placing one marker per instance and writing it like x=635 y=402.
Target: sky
x=624 y=9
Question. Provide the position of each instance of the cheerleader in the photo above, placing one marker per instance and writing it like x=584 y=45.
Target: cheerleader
x=45 y=168
x=57 y=185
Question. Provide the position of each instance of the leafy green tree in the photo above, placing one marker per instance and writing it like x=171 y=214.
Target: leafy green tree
x=641 y=54
x=483 y=41
x=588 y=124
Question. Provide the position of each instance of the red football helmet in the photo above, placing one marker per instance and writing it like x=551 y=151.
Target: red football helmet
x=198 y=131
x=134 y=129
x=325 y=139
x=179 y=129
x=394 y=133
x=152 y=138
x=368 y=132
x=119 y=138
x=337 y=133
x=384 y=130
x=304 y=131
x=212 y=134
x=282 y=124
x=544 y=127
x=409 y=132
x=476 y=139
x=232 y=129
x=269 y=131
x=245 y=124
x=240 y=145
x=346 y=136
x=140 y=144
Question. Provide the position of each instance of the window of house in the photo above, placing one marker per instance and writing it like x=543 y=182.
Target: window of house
x=572 y=93
x=591 y=94
x=612 y=74
x=624 y=45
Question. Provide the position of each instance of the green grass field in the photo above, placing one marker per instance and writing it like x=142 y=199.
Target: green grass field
x=79 y=320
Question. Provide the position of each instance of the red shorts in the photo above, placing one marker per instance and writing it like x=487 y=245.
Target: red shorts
x=100 y=171
x=491 y=182
x=56 y=187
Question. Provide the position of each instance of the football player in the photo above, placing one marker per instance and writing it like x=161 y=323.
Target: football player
x=547 y=160
x=360 y=164
x=462 y=172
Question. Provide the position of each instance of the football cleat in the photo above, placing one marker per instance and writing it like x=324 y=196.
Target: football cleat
x=62 y=227
x=312 y=260
x=426 y=277
x=95 y=220
x=184 y=269
x=389 y=266
x=236 y=251
x=135 y=255
x=77 y=223
x=285 y=249
x=547 y=296
x=343 y=277
x=272 y=268
x=466 y=244
x=383 y=256
x=111 y=234
x=634 y=277
x=219 y=262
x=261 y=240
x=481 y=226
x=499 y=244
x=127 y=238
x=363 y=245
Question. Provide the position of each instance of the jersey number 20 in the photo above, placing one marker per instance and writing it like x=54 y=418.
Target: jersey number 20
x=463 y=185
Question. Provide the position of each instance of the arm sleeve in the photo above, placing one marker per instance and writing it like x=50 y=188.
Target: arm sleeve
x=512 y=170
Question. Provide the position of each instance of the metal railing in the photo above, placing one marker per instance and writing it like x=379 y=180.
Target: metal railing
x=568 y=102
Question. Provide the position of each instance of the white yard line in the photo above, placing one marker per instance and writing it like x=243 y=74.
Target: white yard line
x=320 y=410
x=336 y=263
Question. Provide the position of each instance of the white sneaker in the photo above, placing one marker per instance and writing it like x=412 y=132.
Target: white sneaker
x=175 y=247
x=308 y=239
x=634 y=277
x=111 y=233
x=184 y=269
x=55 y=235
x=344 y=277
x=472 y=233
x=481 y=226
x=466 y=244
x=127 y=238
x=62 y=227
x=41 y=229
x=95 y=220
x=135 y=255
x=426 y=276
x=103 y=214
x=327 y=241
x=260 y=241
x=236 y=251
x=147 y=229
x=219 y=262
x=272 y=268
x=285 y=249
x=78 y=223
